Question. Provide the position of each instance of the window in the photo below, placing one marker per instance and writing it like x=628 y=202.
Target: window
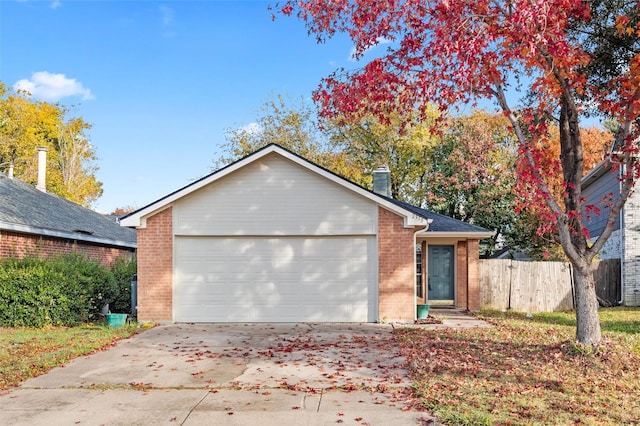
x=419 y=292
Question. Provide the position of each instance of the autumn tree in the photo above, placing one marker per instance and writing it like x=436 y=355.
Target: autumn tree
x=25 y=125
x=453 y=52
x=292 y=124
x=536 y=230
x=471 y=175
x=402 y=144
x=287 y=122
x=121 y=211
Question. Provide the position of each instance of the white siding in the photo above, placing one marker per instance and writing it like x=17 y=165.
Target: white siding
x=631 y=261
x=612 y=249
x=594 y=194
x=274 y=196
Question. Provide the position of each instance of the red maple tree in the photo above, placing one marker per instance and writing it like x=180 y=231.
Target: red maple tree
x=452 y=52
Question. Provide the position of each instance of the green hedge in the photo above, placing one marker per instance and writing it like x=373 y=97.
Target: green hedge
x=66 y=290
x=123 y=270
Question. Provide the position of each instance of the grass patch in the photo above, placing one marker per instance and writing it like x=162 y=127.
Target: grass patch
x=29 y=352
x=528 y=371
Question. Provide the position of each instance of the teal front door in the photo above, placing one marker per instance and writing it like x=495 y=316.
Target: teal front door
x=440 y=274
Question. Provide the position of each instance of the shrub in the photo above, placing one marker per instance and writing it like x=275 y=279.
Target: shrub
x=33 y=294
x=66 y=290
x=123 y=271
x=88 y=280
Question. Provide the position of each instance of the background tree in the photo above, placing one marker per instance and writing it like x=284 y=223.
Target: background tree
x=536 y=231
x=121 y=211
x=456 y=51
x=402 y=144
x=292 y=124
x=464 y=170
x=287 y=122
x=26 y=125
x=471 y=175
x=76 y=163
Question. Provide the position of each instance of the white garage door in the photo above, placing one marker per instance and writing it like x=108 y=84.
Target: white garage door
x=263 y=279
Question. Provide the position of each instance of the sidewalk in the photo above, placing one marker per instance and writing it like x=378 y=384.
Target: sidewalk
x=193 y=407
x=451 y=318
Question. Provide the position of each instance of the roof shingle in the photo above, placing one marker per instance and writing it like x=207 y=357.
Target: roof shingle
x=23 y=205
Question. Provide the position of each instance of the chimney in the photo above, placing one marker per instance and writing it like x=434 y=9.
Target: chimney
x=382 y=181
x=42 y=168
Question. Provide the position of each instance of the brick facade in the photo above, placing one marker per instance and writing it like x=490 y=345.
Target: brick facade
x=468 y=275
x=19 y=245
x=473 y=275
x=155 y=268
x=396 y=279
x=462 y=276
x=396 y=293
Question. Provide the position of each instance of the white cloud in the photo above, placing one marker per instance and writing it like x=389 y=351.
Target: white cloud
x=53 y=87
x=251 y=129
x=56 y=4
x=379 y=41
x=167 y=20
x=167 y=16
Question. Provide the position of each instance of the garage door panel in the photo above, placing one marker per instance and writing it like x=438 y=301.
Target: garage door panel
x=275 y=279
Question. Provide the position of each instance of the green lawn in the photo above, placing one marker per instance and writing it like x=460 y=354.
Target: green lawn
x=29 y=352
x=528 y=371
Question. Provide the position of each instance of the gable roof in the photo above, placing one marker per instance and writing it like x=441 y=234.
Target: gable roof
x=24 y=208
x=413 y=216
x=441 y=223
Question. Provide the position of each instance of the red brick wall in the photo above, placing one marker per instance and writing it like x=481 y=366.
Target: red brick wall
x=396 y=259
x=19 y=245
x=468 y=275
x=461 y=275
x=155 y=268
x=473 y=253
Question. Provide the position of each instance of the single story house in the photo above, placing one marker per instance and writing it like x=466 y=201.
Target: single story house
x=624 y=243
x=34 y=222
x=274 y=237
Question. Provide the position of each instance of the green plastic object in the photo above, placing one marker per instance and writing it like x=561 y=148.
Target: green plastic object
x=116 y=320
x=423 y=311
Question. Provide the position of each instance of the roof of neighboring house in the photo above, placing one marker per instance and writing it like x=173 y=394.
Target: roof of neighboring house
x=414 y=216
x=596 y=172
x=23 y=208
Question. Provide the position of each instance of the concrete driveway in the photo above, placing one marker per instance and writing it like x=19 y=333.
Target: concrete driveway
x=228 y=374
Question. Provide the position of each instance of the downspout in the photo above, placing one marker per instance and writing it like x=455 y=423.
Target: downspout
x=415 y=271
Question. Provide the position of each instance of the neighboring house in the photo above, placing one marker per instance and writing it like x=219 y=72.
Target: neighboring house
x=33 y=222
x=276 y=238
x=624 y=243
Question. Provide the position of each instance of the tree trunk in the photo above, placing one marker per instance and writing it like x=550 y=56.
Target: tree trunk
x=587 y=320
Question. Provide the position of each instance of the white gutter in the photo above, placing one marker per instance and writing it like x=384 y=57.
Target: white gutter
x=63 y=234
x=465 y=235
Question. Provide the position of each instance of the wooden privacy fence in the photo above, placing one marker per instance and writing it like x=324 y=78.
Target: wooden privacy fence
x=540 y=286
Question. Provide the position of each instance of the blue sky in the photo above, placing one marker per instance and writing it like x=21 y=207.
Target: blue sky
x=159 y=81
